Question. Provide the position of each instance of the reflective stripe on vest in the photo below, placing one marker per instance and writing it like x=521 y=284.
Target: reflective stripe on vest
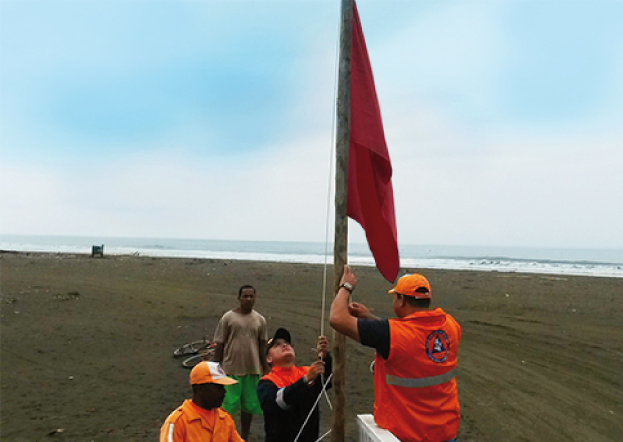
x=280 y=399
x=170 y=435
x=419 y=382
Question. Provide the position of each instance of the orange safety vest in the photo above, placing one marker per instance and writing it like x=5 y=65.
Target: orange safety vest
x=284 y=376
x=415 y=393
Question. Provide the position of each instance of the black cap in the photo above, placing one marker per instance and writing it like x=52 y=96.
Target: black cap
x=281 y=333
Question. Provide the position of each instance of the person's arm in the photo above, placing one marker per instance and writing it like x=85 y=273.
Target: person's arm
x=274 y=400
x=328 y=369
x=218 y=353
x=360 y=311
x=322 y=348
x=173 y=431
x=220 y=337
x=313 y=372
x=375 y=333
x=340 y=318
x=263 y=342
x=233 y=434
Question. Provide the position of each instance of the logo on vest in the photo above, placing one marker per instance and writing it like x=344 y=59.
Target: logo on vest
x=437 y=346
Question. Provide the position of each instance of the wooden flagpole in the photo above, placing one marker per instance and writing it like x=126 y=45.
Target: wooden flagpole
x=340 y=247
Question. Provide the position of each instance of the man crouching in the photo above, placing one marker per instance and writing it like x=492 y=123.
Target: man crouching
x=287 y=393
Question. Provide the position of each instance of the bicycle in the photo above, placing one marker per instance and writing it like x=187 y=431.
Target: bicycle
x=201 y=350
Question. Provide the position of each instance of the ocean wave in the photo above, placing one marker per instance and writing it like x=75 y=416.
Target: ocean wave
x=313 y=253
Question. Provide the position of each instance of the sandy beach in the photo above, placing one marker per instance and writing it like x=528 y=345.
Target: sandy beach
x=87 y=344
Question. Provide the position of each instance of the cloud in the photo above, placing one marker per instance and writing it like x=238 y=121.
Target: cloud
x=524 y=194
x=216 y=156
x=270 y=196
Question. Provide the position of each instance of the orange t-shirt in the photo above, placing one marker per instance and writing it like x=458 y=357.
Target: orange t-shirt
x=191 y=423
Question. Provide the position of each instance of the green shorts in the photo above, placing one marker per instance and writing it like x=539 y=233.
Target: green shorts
x=243 y=395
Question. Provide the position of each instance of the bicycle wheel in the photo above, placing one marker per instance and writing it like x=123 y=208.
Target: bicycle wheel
x=191 y=348
x=192 y=361
x=201 y=346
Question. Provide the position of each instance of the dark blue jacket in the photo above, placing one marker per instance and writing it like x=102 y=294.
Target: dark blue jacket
x=286 y=410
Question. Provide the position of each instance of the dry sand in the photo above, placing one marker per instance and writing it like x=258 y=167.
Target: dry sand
x=87 y=344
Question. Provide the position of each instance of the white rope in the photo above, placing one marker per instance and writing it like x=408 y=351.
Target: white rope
x=326 y=395
x=330 y=186
x=326 y=241
x=323 y=436
x=324 y=386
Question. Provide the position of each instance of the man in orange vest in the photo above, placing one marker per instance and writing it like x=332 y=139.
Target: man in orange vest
x=415 y=392
x=202 y=419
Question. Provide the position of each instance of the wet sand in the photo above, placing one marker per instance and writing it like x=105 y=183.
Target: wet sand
x=87 y=344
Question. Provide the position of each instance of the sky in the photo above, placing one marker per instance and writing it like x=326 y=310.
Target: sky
x=213 y=119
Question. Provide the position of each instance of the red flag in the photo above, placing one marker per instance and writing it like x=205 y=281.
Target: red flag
x=370 y=195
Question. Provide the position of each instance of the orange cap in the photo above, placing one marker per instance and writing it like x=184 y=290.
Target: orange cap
x=408 y=284
x=206 y=372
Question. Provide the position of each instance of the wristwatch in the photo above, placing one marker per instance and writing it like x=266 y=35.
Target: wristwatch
x=348 y=286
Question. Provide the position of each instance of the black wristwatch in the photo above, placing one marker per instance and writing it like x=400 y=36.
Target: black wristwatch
x=348 y=286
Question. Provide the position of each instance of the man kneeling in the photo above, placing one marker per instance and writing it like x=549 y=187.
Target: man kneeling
x=288 y=393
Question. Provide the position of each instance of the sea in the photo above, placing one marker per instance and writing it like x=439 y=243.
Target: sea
x=553 y=261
